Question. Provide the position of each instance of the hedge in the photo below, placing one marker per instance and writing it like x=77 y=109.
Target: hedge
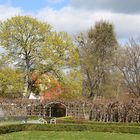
x=71 y=120
x=96 y=123
x=69 y=127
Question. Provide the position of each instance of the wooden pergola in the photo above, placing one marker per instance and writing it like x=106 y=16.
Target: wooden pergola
x=97 y=110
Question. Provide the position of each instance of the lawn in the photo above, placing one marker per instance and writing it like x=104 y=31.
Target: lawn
x=44 y=135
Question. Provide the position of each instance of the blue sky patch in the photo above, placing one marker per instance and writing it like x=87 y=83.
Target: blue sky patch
x=35 y=5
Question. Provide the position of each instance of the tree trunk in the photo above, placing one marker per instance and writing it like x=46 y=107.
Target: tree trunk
x=28 y=78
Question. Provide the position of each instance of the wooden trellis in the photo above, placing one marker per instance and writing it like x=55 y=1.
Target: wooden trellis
x=113 y=111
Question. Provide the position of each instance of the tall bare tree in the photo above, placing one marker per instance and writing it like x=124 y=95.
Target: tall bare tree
x=128 y=63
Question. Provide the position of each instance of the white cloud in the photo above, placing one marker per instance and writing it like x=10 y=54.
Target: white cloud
x=8 y=11
x=66 y=19
x=74 y=20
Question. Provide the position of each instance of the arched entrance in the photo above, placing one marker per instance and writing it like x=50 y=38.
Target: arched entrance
x=56 y=109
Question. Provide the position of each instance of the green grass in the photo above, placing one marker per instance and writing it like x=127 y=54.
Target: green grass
x=45 y=135
x=9 y=122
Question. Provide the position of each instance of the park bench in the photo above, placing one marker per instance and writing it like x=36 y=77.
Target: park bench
x=43 y=120
x=53 y=120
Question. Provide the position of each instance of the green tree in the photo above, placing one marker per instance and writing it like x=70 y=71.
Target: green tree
x=59 y=53
x=72 y=85
x=22 y=37
x=96 y=49
x=11 y=83
x=33 y=46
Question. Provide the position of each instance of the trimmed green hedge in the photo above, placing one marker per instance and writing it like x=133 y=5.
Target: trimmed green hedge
x=96 y=123
x=12 y=128
x=69 y=127
x=71 y=120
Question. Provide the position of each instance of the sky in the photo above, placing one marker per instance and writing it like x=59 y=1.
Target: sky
x=74 y=16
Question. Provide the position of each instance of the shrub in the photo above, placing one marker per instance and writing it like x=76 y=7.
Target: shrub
x=12 y=128
x=71 y=120
x=69 y=127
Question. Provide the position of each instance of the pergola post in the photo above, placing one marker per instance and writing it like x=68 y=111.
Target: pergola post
x=66 y=112
x=50 y=112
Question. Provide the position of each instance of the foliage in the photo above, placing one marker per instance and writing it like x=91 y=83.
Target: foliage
x=96 y=50
x=59 y=53
x=11 y=83
x=22 y=37
x=112 y=86
x=4 y=61
x=47 y=86
x=72 y=85
x=33 y=46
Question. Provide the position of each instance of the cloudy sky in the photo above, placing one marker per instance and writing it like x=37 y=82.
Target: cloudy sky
x=74 y=16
